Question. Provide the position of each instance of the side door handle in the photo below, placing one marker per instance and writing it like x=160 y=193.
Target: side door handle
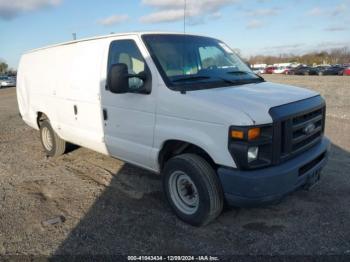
x=75 y=110
x=105 y=114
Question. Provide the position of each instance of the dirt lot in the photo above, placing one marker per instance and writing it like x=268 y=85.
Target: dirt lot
x=115 y=208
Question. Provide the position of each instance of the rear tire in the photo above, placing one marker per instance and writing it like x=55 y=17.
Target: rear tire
x=53 y=145
x=192 y=189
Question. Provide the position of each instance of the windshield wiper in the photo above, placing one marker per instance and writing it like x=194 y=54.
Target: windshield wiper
x=246 y=73
x=239 y=72
x=191 y=78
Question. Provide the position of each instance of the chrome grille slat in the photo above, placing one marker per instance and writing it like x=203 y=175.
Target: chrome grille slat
x=303 y=124
x=301 y=138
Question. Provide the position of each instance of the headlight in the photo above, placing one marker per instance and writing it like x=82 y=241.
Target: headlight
x=251 y=146
x=253 y=153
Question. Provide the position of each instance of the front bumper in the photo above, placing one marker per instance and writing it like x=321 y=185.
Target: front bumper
x=263 y=186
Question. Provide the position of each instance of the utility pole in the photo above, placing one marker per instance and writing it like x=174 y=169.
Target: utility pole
x=185 y=6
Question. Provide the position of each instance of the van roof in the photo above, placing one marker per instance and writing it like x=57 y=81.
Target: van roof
x=102 y=37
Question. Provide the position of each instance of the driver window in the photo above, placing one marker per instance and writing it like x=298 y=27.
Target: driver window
x=127 y=52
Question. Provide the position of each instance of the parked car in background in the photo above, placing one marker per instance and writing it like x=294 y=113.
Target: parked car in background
x=320 y=69
x=287 y=70
x=292 y=71
x=346 y=71
x=333 y=70
x=280 y=70
x=6 y=81
x=260 y=70
x=304 y=70
x=269 y=70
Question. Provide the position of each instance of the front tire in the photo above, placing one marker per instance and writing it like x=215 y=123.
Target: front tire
x=193 y=189
x=53 y=145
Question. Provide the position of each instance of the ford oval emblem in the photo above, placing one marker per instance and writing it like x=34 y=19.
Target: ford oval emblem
x=309 y=128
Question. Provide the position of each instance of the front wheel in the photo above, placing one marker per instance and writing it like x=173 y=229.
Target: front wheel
x=54 y=145
x=193 y=189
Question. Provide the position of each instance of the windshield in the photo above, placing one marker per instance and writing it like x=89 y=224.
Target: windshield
x=195 y=62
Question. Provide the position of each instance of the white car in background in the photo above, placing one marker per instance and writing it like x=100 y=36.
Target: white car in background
x=6 y=81
x=259 y=70
x=280 y=70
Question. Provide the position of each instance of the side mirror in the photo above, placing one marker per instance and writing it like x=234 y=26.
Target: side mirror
x=118 y=79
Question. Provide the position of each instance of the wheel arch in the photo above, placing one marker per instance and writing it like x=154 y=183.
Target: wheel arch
x=174 y=147
x=40 y=117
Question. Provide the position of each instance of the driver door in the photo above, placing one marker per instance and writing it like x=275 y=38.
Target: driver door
x=129 y=118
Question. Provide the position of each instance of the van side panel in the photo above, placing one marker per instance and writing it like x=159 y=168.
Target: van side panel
x=58 y=80
x=81 y=116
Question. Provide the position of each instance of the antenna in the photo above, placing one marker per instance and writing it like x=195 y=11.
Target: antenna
x=185 y=6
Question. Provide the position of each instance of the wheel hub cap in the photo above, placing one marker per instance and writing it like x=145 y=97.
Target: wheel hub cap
x=47 y=139
x=183 y=192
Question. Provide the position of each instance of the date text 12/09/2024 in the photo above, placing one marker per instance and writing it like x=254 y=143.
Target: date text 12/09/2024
x=173 y=258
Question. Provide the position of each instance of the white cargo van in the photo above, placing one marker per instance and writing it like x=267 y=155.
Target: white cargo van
x=181 y=105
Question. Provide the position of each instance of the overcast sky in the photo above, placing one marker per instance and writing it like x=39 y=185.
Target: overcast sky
x=253 y=26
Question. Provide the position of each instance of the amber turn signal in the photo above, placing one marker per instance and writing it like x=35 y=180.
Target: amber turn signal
x=237 y=134
x=253 y=133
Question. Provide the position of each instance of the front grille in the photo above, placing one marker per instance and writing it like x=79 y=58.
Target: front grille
x=302 y=131
x=297 y=127
x=302 y=137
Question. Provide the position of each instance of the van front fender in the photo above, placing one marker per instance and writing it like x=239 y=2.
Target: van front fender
x=211 y=137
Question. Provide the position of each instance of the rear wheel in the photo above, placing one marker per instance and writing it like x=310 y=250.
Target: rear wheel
x=193 y=189
x=53 y=145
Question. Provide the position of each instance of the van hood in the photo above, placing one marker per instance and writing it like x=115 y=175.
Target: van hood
x=255 y=100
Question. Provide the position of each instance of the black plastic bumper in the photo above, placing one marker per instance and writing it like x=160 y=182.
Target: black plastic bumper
x=262 y=186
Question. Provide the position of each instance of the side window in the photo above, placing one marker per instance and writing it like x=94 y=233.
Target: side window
x=127 y=52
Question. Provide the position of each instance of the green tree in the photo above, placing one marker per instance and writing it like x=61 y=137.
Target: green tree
x=3 y=67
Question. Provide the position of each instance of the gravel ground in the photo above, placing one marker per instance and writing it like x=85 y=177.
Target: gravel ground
x=114 y=208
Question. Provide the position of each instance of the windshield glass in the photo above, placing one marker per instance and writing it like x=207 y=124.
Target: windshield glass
x=196 y=62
